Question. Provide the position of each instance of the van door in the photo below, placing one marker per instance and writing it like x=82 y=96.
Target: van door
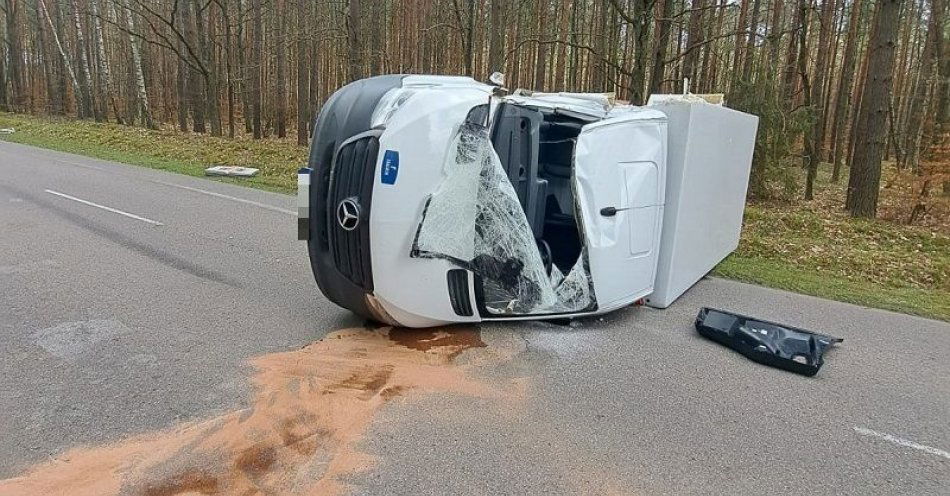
x=619 y=179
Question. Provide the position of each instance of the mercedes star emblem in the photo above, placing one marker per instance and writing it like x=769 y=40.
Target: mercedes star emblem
x=348 y=214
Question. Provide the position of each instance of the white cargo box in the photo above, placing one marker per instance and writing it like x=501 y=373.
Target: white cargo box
x=708 y=163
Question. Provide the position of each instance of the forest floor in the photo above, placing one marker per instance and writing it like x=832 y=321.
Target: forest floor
x=805 y=247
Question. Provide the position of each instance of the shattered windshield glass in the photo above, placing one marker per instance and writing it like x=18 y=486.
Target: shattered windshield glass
x=474 y=220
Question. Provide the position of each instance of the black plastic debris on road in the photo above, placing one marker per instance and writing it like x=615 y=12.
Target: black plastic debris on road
x=769 y=343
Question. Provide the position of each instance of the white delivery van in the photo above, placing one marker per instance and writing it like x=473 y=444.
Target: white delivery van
x=430 y=200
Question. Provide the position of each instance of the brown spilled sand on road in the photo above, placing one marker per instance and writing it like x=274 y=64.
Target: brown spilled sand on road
x=310 y=409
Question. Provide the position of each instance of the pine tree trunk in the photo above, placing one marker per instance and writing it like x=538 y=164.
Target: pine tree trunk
x=353 y=22
x=514 y=79
x=639 y=36
x=62 y=53
x=662 y=41
x=542 y=48
x=750 y=41
x=209 y=101
x=942 y=118
x=195 y=87
x=257 y=72
x=4 y=98
x=915 y=116
x=865 y=178
x=314 y=70
x=574 y=72
x=613 y=42
x=144 y=110
x=802 y=58
x=813 y=142
x=470 y=40
x=845 y=85
x=599 y=69
x=716 y=63
x=703 y=75
x=564 y=16
x=182 y=93
x=496 y=54
x=694 y=37
x=377 y=10
x=245 y=69
x=281 y=90
x=15 y=68
x=831 y=96
x=737 y=54
x=105 y=73
x=303 y=75
x=62 y=83
x=789 y=70
x=904 y=78
x=677 y=73
x=229 y=69
x=85 y=76
x=774 y=38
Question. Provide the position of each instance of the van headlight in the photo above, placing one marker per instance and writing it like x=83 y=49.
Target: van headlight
x=389 y=104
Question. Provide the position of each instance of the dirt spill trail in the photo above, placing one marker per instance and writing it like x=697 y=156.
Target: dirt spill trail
x=310 y=409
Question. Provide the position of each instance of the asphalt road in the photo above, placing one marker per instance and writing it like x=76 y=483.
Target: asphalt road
x=115 y=323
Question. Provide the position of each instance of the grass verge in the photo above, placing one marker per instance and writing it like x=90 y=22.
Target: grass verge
x=184 y=153
x=814 y=248
x=782 y=275
x=810 y=248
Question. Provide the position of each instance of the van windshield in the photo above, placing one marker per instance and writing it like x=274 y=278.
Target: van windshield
x=506 y=212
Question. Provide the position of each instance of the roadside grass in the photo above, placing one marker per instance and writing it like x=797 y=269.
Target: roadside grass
x=815 y=248
x=184 y=153
x=870 y=263
x=807 y=247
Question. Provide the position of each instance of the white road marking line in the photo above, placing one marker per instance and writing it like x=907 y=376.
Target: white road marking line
x=77 y=164
x=67 y=162
x=108 y=209
x=902 y=442
x=188 y=188
x=227 y=197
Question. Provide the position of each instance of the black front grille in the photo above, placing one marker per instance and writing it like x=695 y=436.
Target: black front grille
x=458 y=292
x=351 y=181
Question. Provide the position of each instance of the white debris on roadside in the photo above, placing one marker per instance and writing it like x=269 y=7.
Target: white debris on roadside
x=7 y=130
x=231 y=170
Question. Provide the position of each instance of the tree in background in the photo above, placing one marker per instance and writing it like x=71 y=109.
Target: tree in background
x=4 y=99
x=303 y=79
x=865 y=179
x=808 y=68
x=844 y=90
x=257 y=72
x=815 y=138
x=922 y=91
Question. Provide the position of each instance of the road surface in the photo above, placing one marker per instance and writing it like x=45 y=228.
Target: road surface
x=132 y=302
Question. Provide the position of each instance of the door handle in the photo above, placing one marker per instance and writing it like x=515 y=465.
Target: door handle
x=612 y=211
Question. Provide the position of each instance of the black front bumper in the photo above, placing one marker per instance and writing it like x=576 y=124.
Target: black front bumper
x=343 y=156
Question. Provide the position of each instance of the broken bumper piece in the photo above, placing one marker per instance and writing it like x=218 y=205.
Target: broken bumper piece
x=769 y=343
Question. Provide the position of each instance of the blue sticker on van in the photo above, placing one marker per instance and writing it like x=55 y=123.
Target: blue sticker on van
x=390 y=167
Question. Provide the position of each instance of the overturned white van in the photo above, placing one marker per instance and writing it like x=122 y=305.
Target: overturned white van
x=434 y=199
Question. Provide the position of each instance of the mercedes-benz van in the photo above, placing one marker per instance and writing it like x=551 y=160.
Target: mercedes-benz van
x=429 y=200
